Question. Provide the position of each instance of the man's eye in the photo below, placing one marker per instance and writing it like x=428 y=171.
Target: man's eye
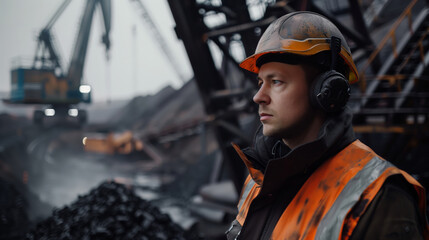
x=276 y=81
x=260 y=84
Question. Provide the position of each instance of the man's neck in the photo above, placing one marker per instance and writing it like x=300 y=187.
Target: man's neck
x=308 y=135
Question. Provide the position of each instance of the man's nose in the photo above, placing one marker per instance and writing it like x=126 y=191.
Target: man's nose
x=261 y=97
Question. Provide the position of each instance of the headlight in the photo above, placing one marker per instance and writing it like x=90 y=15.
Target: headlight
x=85 y=88
x=73 y=112
x=49 y=112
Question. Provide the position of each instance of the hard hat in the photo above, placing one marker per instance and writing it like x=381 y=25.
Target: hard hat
x=304 y=34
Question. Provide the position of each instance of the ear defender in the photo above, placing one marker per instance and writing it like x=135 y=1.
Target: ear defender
x=330 y=90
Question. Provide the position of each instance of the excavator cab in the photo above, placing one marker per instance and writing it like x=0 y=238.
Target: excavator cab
x=44 y=87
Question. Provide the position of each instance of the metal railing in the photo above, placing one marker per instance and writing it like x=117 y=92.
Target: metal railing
x=391 y=35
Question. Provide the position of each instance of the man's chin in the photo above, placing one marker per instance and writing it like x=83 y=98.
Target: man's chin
x=278 y=133
x=270 y=132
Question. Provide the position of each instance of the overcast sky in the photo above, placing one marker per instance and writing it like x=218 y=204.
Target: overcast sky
x=137 y=65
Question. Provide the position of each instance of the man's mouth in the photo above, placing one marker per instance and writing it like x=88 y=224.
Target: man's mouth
x=264 y=116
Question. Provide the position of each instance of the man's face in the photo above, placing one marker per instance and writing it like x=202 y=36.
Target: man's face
x=283 y=100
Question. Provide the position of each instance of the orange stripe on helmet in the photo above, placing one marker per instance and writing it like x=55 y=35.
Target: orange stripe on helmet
x=307 y=47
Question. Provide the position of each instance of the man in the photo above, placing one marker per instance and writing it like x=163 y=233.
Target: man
x=309 y=176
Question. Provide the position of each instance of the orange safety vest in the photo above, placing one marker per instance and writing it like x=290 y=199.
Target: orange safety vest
x=321 y=208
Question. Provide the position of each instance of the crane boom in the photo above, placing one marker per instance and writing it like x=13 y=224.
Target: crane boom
x=46 y=55
x=77 y=63
x=57 y=14
x=159 y=38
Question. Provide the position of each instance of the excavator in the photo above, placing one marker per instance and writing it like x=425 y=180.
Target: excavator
x=46 y=82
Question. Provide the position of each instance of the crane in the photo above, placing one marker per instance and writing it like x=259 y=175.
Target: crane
x=46 y=82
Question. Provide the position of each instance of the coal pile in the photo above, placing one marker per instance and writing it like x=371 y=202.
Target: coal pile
x=111 y=211
x=13 y=216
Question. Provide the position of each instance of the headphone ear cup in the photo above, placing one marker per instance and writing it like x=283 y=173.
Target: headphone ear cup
x=330 y=91
x=315 y=88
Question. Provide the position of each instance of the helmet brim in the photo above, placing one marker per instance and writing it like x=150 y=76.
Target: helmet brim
x=308 y=47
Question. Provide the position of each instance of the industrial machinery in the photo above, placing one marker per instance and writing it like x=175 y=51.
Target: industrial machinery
x=46 y=82
x=112 y=143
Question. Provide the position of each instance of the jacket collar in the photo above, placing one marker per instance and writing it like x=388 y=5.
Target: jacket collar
x=335 y=134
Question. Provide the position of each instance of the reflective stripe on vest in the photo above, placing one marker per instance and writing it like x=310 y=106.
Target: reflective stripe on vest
x=330 y=225
x=246 y=192
x=250 y=191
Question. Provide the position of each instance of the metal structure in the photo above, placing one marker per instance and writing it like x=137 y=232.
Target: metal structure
x=46 y=82
x=231 y=29
x=399 y=89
